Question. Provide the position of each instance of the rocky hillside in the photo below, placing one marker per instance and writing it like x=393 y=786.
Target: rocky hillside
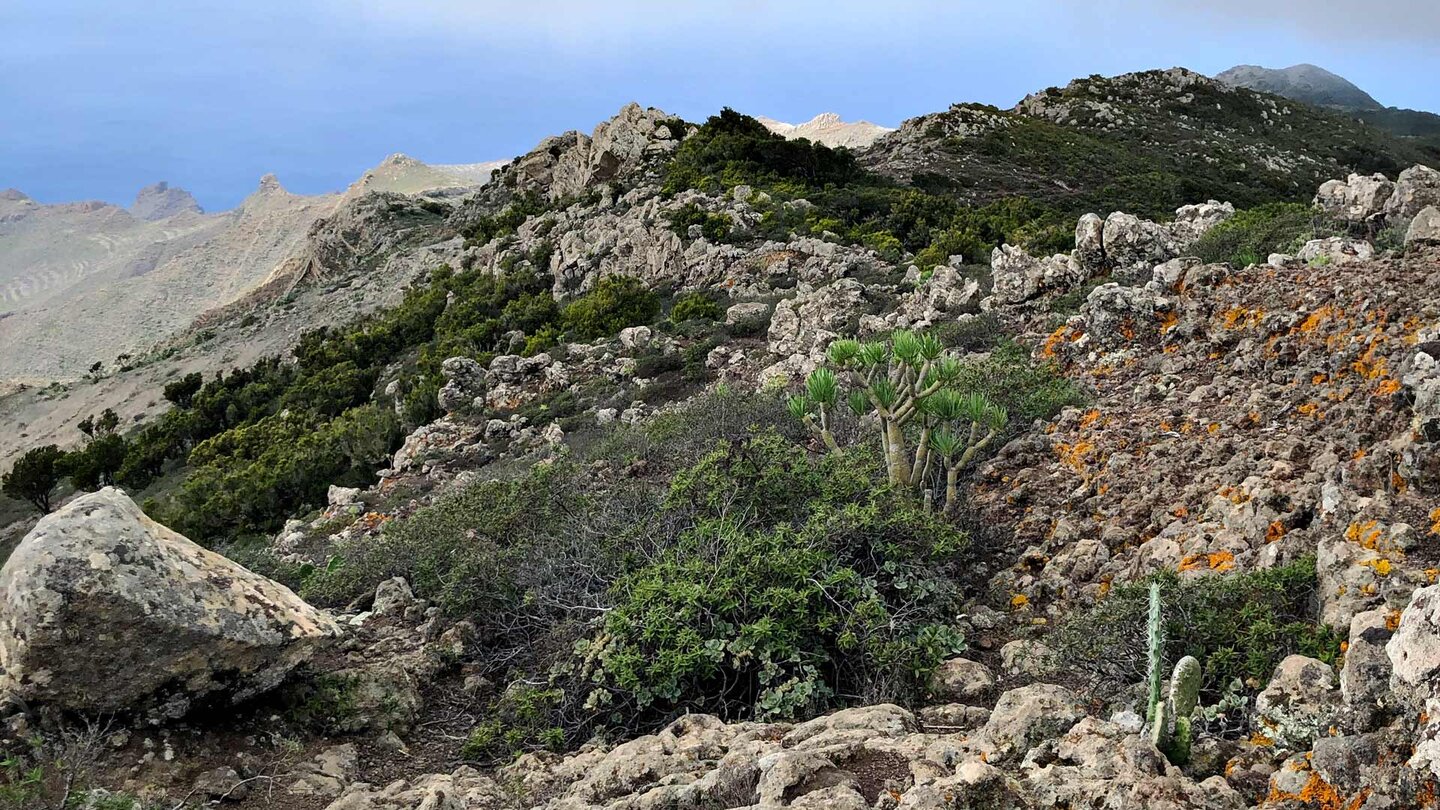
x=85 y=282
x=585 y=509
x=1144 y=142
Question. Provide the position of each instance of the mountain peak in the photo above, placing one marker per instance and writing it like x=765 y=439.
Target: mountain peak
x=829 y=129
x=161 y=201
x=13 y=195
x=1304 y=82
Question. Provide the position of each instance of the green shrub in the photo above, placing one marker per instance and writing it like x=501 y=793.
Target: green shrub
x=616 y=302
x=520 y=720
x=1252 y=235
x=777 y=604
x=696 y=306
x=1237 y=625
x=715 y=227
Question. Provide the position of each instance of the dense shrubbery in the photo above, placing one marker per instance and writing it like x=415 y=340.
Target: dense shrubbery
x=1252 y=235
x=695 y=306
x=1237 y=625
x=615 y=303
x=863 y=208
x=741 y=576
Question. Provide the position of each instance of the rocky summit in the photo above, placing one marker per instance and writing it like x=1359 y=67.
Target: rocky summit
x=1082 y=454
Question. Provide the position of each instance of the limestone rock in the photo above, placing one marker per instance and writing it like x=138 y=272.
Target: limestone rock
x=961 y=679
x=1299 y=703
x=464 y=382
x=1425 y=228
x=104 y=610
x=1414 y=650
x=1336 y=250
x=1025 y=717
x=1416 y=189
x=1360 y=198
x=1020 y=277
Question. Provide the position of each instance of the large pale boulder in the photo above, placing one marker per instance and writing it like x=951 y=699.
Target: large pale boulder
x=1417 y=188
x=1425 y=228
x=105 y=610
x=1300 y=702
x=1360 y=198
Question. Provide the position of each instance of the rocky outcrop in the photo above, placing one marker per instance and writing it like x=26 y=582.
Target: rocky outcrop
x=570 y=164
x=105 y=610
x=1416 y=189
x=161 y=201
x=1360 y=198
x=1425 y=228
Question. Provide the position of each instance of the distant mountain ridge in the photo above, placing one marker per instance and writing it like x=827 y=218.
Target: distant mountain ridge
x=1321 y=88
x=86 y=281
x=1307 y=83
x=828 y=129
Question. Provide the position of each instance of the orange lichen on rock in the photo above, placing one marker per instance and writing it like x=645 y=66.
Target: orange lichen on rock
x=1073 y=455
x=1275 y=531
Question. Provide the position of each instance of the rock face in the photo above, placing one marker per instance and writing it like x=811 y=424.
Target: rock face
x=160 y=201
x=1425 y=228
x=1417 y=188
x=1360 y=198
x=104 y=610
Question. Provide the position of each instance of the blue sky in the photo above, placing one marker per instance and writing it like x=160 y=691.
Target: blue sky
x=97 y=100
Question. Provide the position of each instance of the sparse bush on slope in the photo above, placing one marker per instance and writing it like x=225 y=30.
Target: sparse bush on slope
x=1253 y=234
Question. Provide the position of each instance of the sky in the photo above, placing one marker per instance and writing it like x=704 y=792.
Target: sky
x=99 y=98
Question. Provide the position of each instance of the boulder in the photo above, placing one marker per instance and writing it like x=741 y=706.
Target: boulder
x=1416 y=189
x=1025 y=717
x=105 y=610
x=1090 y=242
x=1336 y=250
x=464 y=381
x=1133 y=245
x=1360 y=198
x=961 y=680
x=1425 y=228
x=1365 y=676
x=1414 y=649
x=1020 y=277
x=1299 y=703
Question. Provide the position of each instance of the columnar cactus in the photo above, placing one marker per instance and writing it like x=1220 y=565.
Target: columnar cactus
x=1155 y=631
x=1169 y=719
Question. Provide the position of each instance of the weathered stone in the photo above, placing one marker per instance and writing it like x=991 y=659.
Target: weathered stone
x=464 y=381
x=961 y=679
x=1025 y=717
x=1425 y=228
x=1416 y=189
x=1299 y=703
x=104 y=610
x=1361 y=198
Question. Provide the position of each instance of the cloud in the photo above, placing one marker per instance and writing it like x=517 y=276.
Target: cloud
x=1414 y=22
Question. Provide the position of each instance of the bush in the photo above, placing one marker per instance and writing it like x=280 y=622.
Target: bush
x=797 y=582
x=1238 y=625
x=759 y=581
x=714 y=227
x=695 y=306
x=616 y=302
x=1252 y=235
